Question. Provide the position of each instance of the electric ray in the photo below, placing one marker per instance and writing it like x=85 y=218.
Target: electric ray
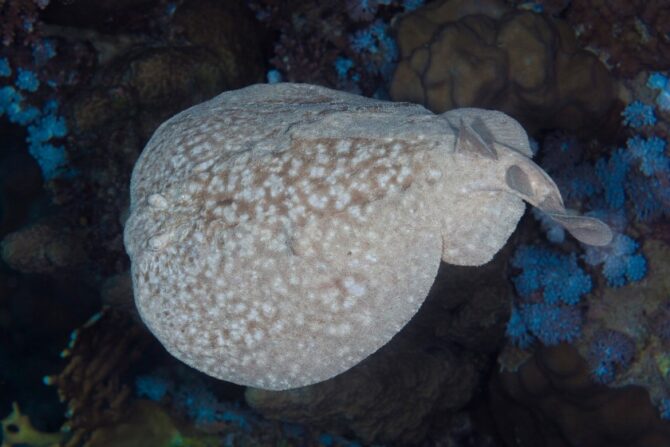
x=280 y=234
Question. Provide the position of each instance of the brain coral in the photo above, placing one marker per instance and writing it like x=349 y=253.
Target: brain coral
x=279 y=234
x=456 y=53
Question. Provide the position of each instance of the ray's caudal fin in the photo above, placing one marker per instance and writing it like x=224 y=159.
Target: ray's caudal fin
x=527 y=180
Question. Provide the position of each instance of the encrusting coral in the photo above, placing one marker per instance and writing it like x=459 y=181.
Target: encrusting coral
x=279 y=234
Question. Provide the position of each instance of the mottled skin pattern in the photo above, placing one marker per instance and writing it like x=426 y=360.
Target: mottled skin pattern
x=279 y=234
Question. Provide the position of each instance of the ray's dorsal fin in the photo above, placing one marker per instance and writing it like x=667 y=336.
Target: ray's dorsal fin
x=477 y=140
x=481 y=129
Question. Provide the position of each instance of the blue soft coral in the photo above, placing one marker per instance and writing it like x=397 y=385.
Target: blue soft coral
x=550 y=285
x=43 y=126
x=651 y=154
x=637 y=114
x=612 y=175
x=621 y=263
x=559 y=276
x=610 y=351
x=659 y=81
x=552 y=324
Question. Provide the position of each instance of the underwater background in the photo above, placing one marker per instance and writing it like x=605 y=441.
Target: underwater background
x=553 y=343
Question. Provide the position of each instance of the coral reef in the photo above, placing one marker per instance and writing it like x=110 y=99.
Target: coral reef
x=635 y=313
x=620 y=342
x=481 y=54
x=582 y=334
